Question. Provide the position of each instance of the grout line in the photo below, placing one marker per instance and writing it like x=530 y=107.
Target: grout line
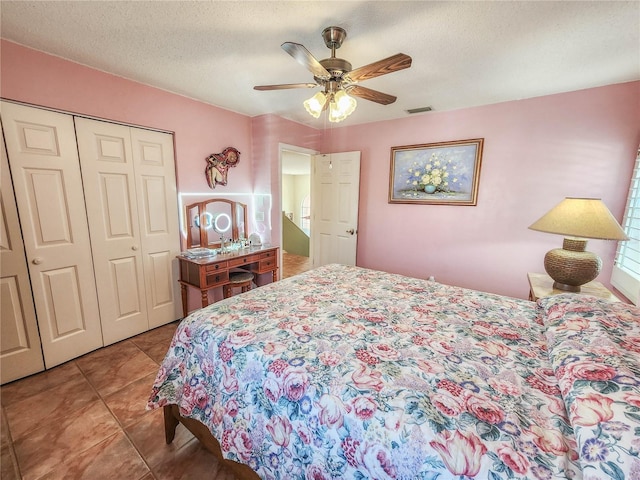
x=12 y=450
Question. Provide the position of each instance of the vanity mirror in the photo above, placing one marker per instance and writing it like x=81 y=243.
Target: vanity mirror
x=214 y=221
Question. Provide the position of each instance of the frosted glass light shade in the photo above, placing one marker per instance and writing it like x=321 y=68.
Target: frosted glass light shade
x=315 y=104
x=341 y=106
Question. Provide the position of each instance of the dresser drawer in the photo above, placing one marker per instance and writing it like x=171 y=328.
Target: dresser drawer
x=214 y=279
x=267 y=265
x=238 y=262
x=215 y=267
x=269 y=254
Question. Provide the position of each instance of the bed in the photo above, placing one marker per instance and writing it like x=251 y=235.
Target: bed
x=345 y=372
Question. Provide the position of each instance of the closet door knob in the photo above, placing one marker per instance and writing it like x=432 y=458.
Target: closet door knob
x=134 y=248
x=37 y=261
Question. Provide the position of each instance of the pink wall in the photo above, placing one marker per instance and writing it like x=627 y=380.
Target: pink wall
x=536 y=152
x=200 y=129
x=269 y=133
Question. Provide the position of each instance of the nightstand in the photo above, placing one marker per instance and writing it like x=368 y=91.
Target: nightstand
x=541 y=285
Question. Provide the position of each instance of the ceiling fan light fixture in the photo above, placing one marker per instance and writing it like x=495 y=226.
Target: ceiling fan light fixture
x=315 y=104
x=336 y=77
x=341 y=106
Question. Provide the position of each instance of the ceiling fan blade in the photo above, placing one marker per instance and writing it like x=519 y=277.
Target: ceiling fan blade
x=305 y=58
x=285 y=86
x=392 y=64
x=372 y=95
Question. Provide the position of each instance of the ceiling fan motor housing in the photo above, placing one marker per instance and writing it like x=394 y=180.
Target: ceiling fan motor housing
x=337 y=67
x=333 y=37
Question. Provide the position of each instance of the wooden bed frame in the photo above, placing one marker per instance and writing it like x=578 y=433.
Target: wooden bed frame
x=172 y=418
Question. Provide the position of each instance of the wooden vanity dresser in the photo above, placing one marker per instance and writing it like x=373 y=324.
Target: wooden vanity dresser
x=208 y=224
x=209 y=272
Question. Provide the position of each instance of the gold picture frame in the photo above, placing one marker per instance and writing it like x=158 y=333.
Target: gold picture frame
x=443 y=173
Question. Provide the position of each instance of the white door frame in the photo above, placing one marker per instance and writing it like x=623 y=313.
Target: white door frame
x=291 y=148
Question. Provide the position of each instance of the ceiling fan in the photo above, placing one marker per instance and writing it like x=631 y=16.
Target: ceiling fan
x=337 y=78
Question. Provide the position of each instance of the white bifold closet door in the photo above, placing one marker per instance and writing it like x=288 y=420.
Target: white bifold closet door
x=129 y=182
x=153 y=157
x=20 y=350
x=43 y=157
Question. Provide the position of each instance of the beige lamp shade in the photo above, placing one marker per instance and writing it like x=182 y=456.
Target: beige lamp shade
x=572 y=266
x=581 y=217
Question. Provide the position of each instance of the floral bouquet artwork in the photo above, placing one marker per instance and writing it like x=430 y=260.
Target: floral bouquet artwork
x=438 y=173
x=433 y=176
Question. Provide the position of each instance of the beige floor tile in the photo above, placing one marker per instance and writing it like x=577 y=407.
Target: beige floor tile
x=100 y=359
x=157 y=352
x=114 y=458
x=42 y=449
x=129 y=403
x=162 y=335
x=49 y=406
x=5 y=437
x=148 y=437
x=8 y=463
x=20 y=389
x=121 y=365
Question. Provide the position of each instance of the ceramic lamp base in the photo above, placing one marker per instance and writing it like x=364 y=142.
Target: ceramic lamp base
x=572 y=266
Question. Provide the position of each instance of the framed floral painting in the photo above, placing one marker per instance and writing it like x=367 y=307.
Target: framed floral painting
x=445 y=173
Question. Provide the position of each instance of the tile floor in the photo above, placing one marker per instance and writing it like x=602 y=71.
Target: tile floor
x=86 y=419
x=294 y=264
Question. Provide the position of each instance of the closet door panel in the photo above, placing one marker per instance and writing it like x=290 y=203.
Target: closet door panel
x=162 y=291
x=46 y=175
x=20 y=350
x=62 y=300
x=159 y=227
x=108 y=174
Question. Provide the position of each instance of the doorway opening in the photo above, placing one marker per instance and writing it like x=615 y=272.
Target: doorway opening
x=295 y=181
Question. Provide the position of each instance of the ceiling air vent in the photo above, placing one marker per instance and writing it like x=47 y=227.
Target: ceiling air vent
x=419 y=110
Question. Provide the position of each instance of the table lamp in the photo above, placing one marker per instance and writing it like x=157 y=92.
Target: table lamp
x=578 y=219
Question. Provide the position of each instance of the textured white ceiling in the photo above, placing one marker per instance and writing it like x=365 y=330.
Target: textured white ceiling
x=464 y=53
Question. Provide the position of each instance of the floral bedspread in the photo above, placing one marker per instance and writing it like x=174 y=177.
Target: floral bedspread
x=594 y=348
x=349 y=373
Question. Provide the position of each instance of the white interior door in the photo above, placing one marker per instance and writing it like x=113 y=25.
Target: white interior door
x=110 y=193
x=43 y=157
x=20 y=350
x=159 y=225
x=335 y=195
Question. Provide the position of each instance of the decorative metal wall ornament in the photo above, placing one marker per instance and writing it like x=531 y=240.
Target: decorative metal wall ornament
x=218 y=165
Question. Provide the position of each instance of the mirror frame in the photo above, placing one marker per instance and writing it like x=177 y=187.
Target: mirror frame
x=201 y=207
